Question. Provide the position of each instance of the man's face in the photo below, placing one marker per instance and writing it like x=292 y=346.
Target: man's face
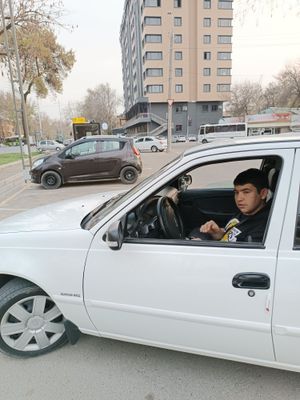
x=248 y=199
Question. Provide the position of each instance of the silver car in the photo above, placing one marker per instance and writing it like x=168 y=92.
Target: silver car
x=49 y=145
x=150 y=143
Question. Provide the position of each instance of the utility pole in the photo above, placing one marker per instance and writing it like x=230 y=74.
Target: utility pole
x=170 y=100
x=10 y=52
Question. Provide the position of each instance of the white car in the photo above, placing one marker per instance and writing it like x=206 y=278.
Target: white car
x=50 y=145
x=181 y=139
x=150 y=143
x=122 y=266
x=192 y=138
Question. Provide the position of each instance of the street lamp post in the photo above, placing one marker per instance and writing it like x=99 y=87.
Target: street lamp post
x=170 y=100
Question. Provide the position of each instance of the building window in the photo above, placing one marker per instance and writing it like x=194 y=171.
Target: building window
x=214 y=107
x=178 y=109
x=153 y=38
x=178 y=128
x=177 y=21
x=206 y=88
x=224 y=22
x=223 y=87
x=154 y=88
x=178 y=55
x=227 y=4
x=154 y=72
x=177 y=3
x=177 y=38
x=154 y=55
x=206 y=22
x=224 y=39
x=206 y=71
x=207 y=55
x=206 y=39
x=178 y=88
x=224 y=55
x=152 y=20
x=205 y=107
x=178 y=72
x=224 y=71
x=152 y=3
x=206 y=3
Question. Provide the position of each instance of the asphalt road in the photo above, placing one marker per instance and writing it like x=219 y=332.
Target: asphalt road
x=97 y=368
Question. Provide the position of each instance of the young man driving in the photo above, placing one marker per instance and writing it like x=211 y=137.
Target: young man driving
x=250 y=193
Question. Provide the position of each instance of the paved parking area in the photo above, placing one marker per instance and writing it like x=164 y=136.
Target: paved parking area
x=31 y=195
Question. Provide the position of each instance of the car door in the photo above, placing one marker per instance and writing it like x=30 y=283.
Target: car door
x=81 y=162
x=149 y=143
x=286 y=319
x=204 y=297
x=140 y=143
x=110 y=157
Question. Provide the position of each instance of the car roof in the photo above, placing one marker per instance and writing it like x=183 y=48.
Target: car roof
x=288 y=140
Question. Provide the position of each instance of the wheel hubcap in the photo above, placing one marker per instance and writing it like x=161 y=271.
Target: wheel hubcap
x=32 y=324
x=51 y=180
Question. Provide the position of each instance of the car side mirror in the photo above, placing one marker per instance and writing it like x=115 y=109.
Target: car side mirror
x=115 y=235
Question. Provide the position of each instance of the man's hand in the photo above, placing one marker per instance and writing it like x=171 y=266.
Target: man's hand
x=213 y=229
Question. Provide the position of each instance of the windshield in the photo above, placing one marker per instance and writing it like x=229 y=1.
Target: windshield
x=101 y=211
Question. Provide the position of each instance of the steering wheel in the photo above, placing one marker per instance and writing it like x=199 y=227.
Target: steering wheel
x=169 y=218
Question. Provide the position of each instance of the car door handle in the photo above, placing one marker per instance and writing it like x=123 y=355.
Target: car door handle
x=251 y=280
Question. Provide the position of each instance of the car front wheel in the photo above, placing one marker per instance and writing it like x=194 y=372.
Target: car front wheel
x=51 y=180
x=30 y=322
x=129 y=175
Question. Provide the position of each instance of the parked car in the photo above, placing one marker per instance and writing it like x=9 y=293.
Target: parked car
x=89 y=159
x=117 y=255
x=49 y=145
x=192 y=138
x=181 y=138
x=150 y=143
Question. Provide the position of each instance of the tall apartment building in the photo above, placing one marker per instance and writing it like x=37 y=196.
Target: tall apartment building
x=178 y=50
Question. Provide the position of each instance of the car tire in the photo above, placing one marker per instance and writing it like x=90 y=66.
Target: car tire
x=154 y=149
x=57 y=148
x=30 y=322
x=51 y=180
x=204 y=141
x=128 y=175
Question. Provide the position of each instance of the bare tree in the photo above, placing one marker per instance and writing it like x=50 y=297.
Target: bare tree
x=100 y=104
x=246 y=98
x=289 y=83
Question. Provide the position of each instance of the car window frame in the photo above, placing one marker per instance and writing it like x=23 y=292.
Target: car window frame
x=212 y=243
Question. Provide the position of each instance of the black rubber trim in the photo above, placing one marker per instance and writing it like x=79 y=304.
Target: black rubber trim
x=196 y=243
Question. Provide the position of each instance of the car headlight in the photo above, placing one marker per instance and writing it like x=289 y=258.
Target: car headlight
x=37 y=163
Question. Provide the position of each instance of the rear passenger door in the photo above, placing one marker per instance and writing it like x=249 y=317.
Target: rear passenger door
x=286 y=316
x=110 y=157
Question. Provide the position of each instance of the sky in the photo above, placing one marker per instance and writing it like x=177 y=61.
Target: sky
x=263 y=43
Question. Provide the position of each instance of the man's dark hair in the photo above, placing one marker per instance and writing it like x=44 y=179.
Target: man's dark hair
x=254 y=176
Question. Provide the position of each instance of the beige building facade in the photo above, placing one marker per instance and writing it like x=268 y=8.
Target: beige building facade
x=178 y=50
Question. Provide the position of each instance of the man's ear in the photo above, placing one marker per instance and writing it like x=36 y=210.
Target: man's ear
x=264 y=193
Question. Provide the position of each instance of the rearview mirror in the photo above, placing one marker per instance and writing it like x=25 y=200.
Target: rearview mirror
x=115 y=235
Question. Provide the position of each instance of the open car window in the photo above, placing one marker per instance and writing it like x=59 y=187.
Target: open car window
x=187 y=202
